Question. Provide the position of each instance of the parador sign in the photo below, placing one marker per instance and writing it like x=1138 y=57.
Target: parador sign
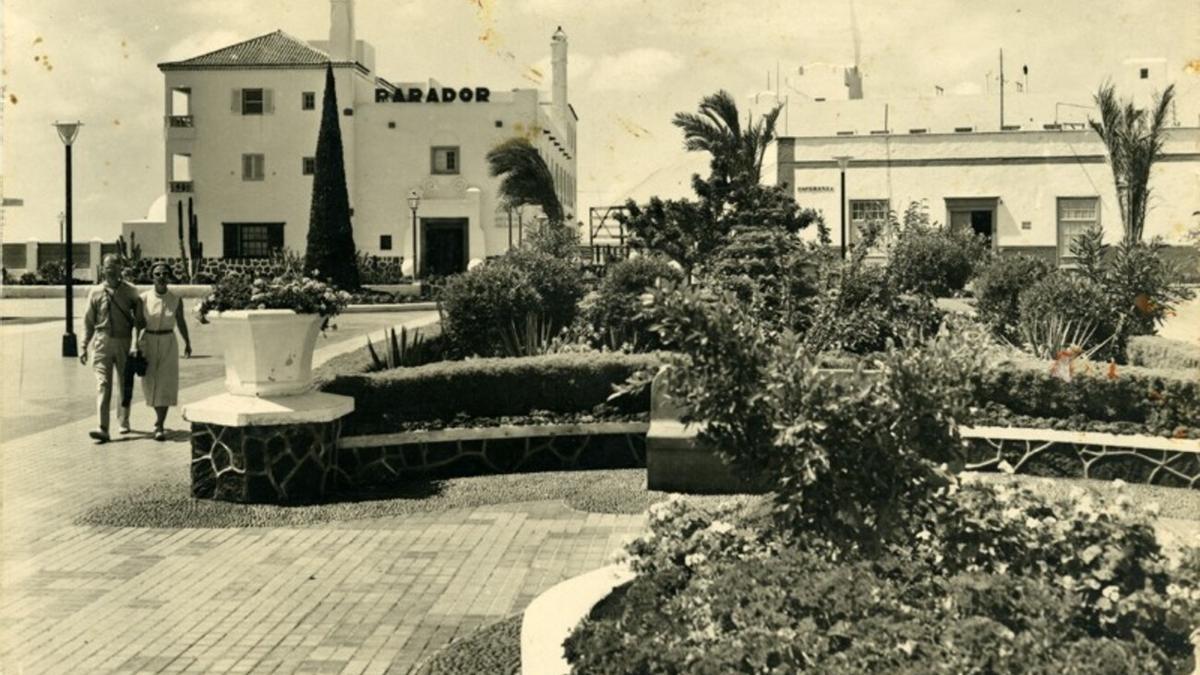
x=433 y=95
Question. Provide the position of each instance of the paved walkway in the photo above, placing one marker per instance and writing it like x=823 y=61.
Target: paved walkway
x=368 y=596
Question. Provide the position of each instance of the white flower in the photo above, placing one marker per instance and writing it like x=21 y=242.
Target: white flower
x=1111 y=592
x=720 y=527
x=694 y=559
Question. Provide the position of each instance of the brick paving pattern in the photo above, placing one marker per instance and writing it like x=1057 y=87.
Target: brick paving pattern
x=368 y=596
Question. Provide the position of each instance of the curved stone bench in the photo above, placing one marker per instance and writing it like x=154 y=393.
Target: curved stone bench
x=551 y=617
x=676 y=460
x=1166 y=461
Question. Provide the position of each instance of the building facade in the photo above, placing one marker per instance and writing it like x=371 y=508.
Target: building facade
x=241 y=134
x=1028 y=177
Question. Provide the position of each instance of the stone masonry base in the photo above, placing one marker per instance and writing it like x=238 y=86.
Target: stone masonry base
x=278 y=464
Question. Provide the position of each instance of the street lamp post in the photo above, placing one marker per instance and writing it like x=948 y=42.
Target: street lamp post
x=509 y=209
x=843 y=161
x=414 y=201
x=67 y=131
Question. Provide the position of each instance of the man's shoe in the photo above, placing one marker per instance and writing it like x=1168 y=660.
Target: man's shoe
x=100 y=435
x=125 y=428
x=160 y=435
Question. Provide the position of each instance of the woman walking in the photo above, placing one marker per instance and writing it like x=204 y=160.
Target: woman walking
x=164 y=312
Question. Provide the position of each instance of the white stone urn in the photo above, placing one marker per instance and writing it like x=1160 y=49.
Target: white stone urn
x=268 y=352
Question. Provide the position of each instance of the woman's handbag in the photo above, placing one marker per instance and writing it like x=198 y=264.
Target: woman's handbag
x=137 y=363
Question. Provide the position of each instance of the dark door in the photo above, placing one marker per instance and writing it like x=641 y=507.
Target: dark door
x=981 y=223
x=444 y=249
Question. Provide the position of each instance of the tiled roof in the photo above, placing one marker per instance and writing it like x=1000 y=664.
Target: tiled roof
x=272 y=49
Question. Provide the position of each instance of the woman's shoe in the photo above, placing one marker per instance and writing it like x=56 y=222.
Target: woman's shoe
x=160 y=435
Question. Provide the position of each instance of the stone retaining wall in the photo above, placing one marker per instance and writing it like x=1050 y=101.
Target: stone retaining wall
x=472 y=452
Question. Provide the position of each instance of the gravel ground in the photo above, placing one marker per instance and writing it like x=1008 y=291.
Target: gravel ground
x=491 y=649
x=168 y=504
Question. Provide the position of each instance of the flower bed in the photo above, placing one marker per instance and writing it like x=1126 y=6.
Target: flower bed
x=994 y=579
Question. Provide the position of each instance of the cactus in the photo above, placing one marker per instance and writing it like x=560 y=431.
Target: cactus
x=398 y=352
x=195 y=248
x=182 y=241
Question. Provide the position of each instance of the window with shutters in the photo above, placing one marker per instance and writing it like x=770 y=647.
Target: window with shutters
x=252 y=102
x=252 y=240
x=253 y=167
x=445 y=159
x=1076 y=215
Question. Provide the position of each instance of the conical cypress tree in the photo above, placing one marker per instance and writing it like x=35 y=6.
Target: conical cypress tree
x=331 y=251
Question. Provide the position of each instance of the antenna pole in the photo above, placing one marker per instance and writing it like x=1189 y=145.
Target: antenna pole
x=1001 y=89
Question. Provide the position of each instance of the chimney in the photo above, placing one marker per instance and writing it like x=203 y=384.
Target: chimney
x=558 y=55
x=341 y=30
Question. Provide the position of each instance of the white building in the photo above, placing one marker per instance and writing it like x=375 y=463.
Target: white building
x=241 y=134
x=1029 y=183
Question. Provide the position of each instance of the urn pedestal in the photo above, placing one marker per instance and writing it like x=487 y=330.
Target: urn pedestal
x=268 y=439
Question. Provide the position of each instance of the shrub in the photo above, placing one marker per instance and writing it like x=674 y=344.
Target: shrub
x=769 y=268
x=1158 y=352
x=1137 y=280
x=778 y=419
x=614 y=313
x=934 y=260
x=53 y=272
x=480 y=303
x=491 y=303
x=491 y=387
x=998 y=286
x=1077 y=307
x=862 y=313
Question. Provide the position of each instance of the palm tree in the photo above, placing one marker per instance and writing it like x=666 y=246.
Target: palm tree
x=1134 y=139
x=525 y=177
x=737 y=153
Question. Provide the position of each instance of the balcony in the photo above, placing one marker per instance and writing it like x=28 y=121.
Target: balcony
x=181 y=186
x=180 y=127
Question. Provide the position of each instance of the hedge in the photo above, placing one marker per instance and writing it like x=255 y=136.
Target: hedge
x=490 y=387
x=1158 y=400
x=1159 y=352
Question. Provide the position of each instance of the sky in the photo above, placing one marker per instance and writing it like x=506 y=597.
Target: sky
x=633 y=64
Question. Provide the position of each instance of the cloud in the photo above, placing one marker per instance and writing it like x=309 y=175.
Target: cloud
x=638 y=69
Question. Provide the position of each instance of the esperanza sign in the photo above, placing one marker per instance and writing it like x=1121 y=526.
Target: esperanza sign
x=433 y=95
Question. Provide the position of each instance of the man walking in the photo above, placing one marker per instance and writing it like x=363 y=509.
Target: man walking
x=113 y=311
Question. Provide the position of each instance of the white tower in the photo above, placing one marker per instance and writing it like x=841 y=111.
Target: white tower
x=341 y=30
x=558 y=56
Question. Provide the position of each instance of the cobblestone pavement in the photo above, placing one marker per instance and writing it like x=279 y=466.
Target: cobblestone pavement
x=367 y=596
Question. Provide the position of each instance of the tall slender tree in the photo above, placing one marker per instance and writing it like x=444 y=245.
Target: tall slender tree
x=331 y=253
x=524 y=177
x=1134 y=139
